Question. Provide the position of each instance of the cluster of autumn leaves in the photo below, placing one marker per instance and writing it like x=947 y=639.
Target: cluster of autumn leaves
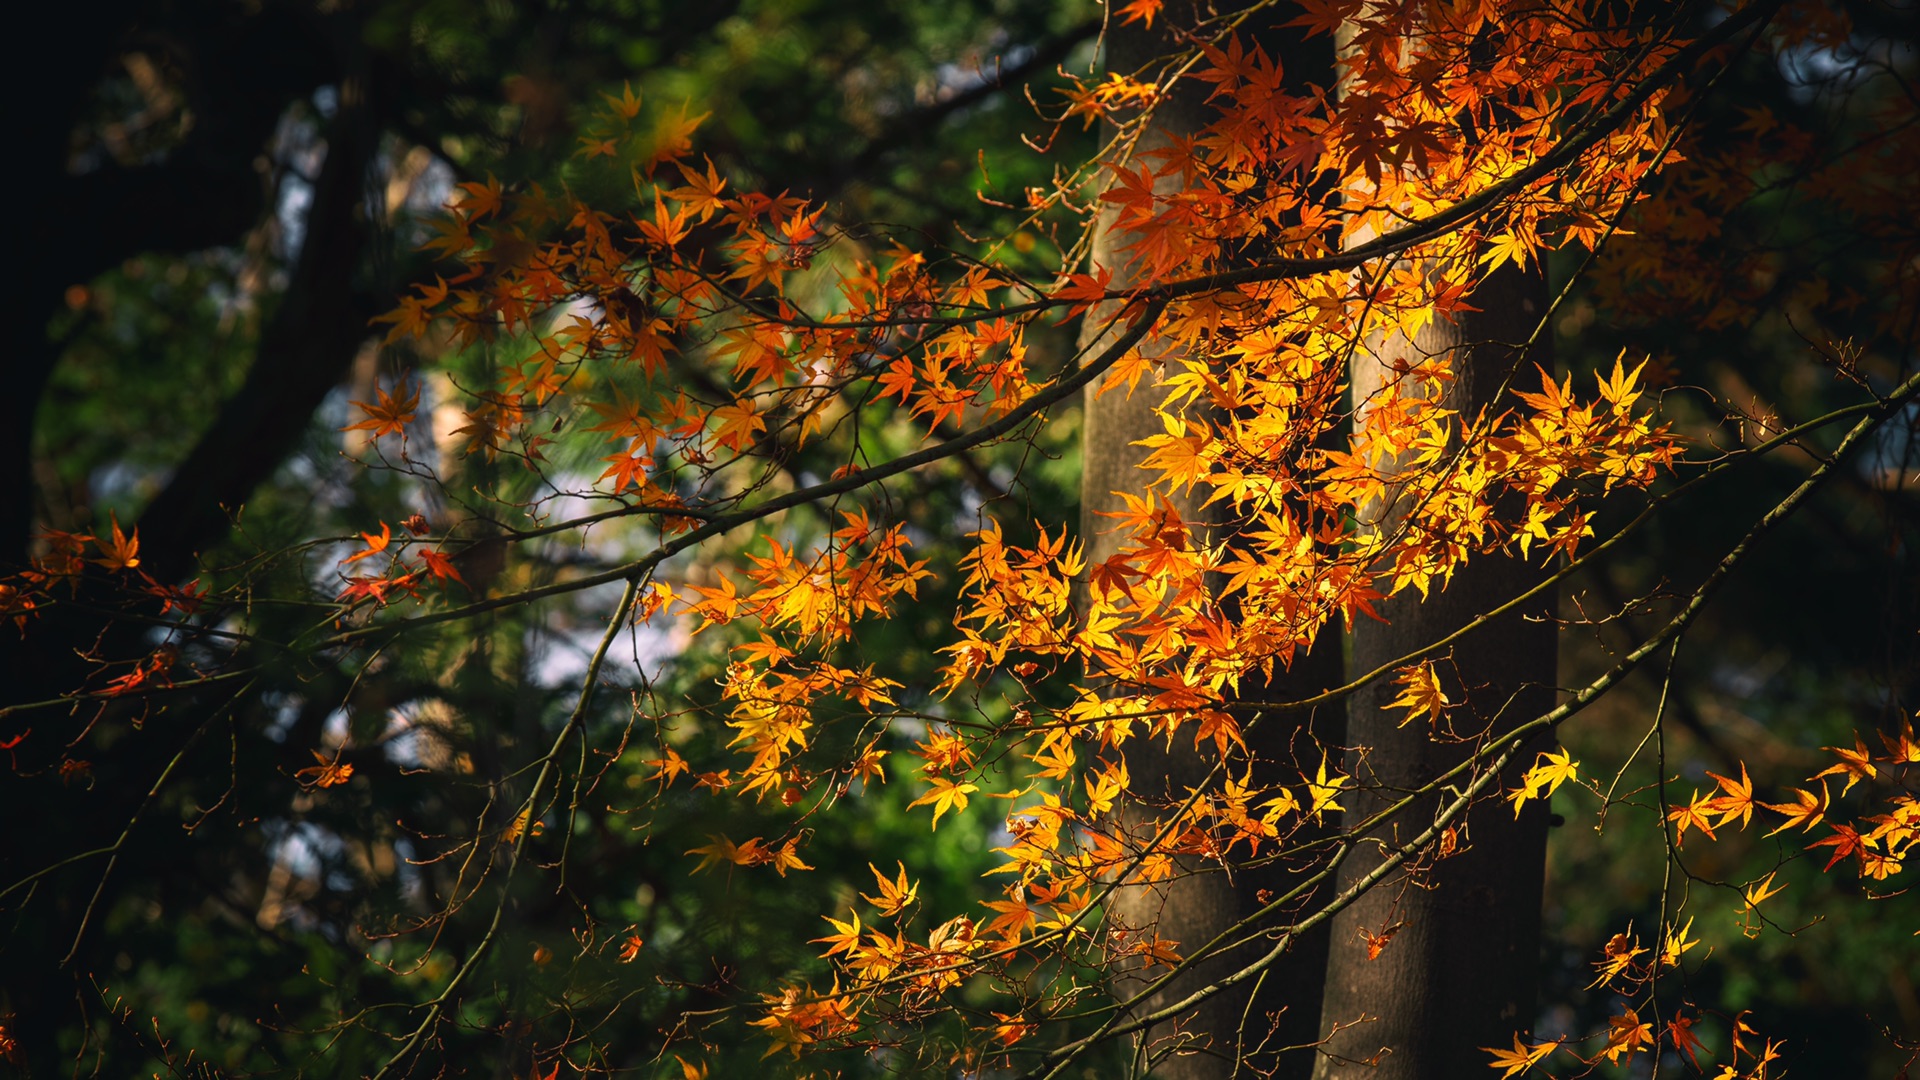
x=815 y=331
x=1876 y=844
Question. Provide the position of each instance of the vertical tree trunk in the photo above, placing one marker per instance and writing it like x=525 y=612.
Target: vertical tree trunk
x=1459 y=970
x=1201 y=902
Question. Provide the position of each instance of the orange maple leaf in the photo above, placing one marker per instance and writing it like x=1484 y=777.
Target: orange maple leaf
x=119 y=551
x=1805 y=811
x=375 y=545
x=1855 y=764
x=327 y=773
x=440 y=566
x=390 y=416
x=894 y=895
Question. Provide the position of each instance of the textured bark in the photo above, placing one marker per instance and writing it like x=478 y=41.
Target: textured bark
x=305 y=351
x=238 y=72
x=1201 y=901
x=1459 y=972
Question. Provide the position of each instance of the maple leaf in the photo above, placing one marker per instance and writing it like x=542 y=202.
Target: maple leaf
x=1506 y=246
x=1691 y=816
x=72 y=770
x=376 y=588
x=480 y=198
x=1761 y=890
x=390 y=416
x=894 y=895
x=627 y=470
x=1855 y=764
x=1056 y=758
x=1016 y=914
x=944 y=751
x=1618 y=389
x=440 y=566
x=673 y=136
x=718 y=849
x=701 y=195
x=1845 y=841
x=119 y=551
x=1625 y=1035
x=1420 y=692
x=148 y=671
x=1279 y=806
x=627 y=105
x=1621 y=951
x=1549 y=771
x=1903 y=748
x=1323 y=790
x=867 y=765
x=739 y=423
x=1219 y=726
x=668 y=766
x=375 y=545
x=1676 y=944
x=1085 y=290
x=667 y=228
x=1680 y=1030
x=847 y=938
x=326 y=774
x=946 y=795
x=1555 y=769
x=1105 y=787
x=1736 y=800
x=519 y=826
x=784 y=858
x=1377 y=943
x=1157 y=950
x=1140 y=11
x=630 y=948
x=1805 y=811
x=1010 y=1028
x=1521 y=1058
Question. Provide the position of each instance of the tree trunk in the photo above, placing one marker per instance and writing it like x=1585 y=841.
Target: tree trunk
x=1231 y=1032
x=1459 y=970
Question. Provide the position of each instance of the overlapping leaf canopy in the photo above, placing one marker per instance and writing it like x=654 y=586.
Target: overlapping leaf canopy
x=725 y=403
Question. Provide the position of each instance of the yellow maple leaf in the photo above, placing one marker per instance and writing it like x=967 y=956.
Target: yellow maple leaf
x=783 y=858
x=1323 y=790
x=1420 y=692
x=719 y=849
x=1549 y=772
x=1520 y=1058
x=1676 y=945
x=1761 y=890
x=946 y=795
x=894 y=895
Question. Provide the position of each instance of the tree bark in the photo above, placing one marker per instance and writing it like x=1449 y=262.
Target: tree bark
x=305 y=351
x=1231 y=1033
x=1459 y=971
